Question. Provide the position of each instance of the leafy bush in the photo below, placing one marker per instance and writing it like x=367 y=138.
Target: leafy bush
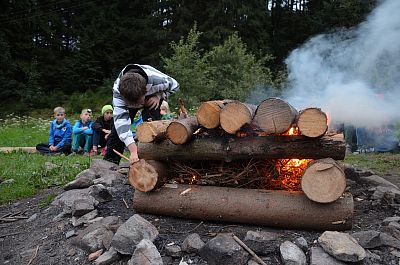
x=228 y=71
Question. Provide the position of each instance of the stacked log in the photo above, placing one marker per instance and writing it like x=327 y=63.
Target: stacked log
x=322 y=182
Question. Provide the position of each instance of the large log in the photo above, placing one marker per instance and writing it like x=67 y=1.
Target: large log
x=232 y=148
x=323 y=181
x=260 y=207
x=147 y=175
x=18 y=149
x=275 y=116
x=148 y=132
x=181 y=131
x=235 y=114
x=312 y=122
x=208 y=113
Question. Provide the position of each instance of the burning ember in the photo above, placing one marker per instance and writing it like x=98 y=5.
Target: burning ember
x=289 y=171
x=277 y=174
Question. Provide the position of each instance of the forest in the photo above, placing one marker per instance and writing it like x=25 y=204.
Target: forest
x=69 y=52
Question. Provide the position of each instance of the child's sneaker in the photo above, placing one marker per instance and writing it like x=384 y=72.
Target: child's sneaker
x=92 y=153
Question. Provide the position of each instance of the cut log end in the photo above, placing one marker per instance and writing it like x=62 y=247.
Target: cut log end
x=312 y=122
x=234 y=116
x=275 y=116
x=148 y=132
x=323 y=181
x=208 y=114
x=177 y=133
x=147 y=175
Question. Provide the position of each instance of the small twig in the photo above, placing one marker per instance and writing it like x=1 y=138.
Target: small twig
x=10 y=234
x=8 y=219
x=121 y=155
x=187 y=232
x=126 y=204
x=248 y=250
x=34 y=256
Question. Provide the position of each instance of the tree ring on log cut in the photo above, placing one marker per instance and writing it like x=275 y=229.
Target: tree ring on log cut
x=142 y=176
x=234 y=115
x=323 y=181
x=275 y=115
x=312 y=122
x=208 y=114
x=178 y=133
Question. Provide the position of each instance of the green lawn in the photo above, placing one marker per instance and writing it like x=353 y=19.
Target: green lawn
x=380 y=163
x=29 y=172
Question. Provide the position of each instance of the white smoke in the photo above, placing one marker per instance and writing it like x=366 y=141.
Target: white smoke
x=353 y=75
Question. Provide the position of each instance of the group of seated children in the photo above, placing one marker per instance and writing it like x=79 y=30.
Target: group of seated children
x=86 y=136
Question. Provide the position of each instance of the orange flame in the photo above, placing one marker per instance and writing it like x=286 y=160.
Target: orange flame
x=290 y=170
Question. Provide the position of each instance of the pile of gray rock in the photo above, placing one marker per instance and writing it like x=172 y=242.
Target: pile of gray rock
x=111 y=240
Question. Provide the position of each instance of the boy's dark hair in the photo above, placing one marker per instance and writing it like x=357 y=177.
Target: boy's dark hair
x=132 y=86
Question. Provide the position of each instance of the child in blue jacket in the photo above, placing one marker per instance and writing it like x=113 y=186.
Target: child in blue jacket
x=83 y=133
x=60 y=135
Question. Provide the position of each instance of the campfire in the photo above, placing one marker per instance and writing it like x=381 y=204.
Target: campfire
x=243 y=163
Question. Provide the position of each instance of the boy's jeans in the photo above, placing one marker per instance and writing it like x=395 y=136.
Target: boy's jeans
x=82 y=140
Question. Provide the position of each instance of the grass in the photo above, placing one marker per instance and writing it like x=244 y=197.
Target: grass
x=380 y=163
x=32 y=172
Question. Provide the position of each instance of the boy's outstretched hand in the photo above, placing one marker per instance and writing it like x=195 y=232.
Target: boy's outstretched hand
x=133 y=158
x=152 y=102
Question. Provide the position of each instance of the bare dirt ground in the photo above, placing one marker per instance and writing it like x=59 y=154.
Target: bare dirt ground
x=43 y=240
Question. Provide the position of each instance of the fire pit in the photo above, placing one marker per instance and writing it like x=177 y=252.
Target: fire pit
x=269 y=165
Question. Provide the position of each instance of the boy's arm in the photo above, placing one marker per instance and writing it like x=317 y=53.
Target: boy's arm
x=122 y=123
x=89 y=130
x=77 y=128
x=51 y=135
x=67 y=136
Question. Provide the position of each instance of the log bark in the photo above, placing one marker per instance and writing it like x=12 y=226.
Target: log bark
x=147 y=175
x=275 y=116
x=30 y=150
x=209 y=112
x=235 y=114
x=181 y=131
x=312 y=122
x=232 y=148
x=148 y=132
x=323 y=181
x=260 y=207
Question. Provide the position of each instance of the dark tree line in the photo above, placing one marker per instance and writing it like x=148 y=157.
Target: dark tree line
x=51 y=48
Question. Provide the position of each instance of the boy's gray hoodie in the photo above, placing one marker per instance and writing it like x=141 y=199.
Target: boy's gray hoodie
x=158 y=84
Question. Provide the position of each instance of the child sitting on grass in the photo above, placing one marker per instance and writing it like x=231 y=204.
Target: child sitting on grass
x=164 y=111
x=83 y=133
x=102 y=129
x=60 y=135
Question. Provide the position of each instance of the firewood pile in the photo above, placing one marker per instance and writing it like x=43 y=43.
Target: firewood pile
x=239 y=162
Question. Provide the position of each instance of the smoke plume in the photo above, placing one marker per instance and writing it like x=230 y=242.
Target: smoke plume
x=353 y=75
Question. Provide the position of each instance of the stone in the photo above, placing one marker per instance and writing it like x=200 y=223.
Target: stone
x=291 y=254
x=223 y=250
x=108 y=257
x=82 y=207
x=173 y=251
x=130 y=233
x=70 y=233
x=388 y=220
x=262 y=243
x=84 y=219
x=301 y=242
x=146 y=254
x=378 y=181
x=318 y=257
x=98 y=165
x=192 y=243
x=342 y=246
x=82 y=180
x=368 y=239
